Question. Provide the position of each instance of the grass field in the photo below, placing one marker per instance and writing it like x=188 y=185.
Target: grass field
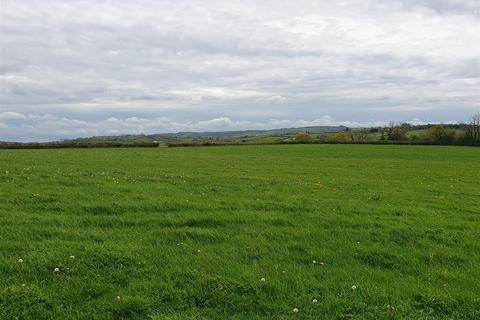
x=252 y=232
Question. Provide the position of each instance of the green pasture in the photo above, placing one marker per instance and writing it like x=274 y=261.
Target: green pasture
x=241 y=232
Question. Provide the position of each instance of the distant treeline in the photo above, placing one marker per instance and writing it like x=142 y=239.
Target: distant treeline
x=404 y=133
x=59 y=145
x=467 y=134
x=376 y=142
x=398 y=134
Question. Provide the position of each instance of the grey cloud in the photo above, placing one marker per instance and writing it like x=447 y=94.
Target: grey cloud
x=245 y=60
x=443 y=6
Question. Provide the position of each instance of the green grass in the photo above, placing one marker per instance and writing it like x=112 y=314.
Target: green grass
x=188 y=233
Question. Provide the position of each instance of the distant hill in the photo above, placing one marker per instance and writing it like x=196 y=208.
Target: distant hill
x=450 y=133
x=214 y=135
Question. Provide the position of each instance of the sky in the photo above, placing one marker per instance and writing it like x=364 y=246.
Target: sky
x=91 y=67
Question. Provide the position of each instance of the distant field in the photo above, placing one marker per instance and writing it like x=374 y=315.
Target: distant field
x=251 y=232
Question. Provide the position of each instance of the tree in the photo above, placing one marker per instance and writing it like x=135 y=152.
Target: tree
x=304 y=138
x=472 y=130
x=439 y=134
x=361 y=135
x=395 y=132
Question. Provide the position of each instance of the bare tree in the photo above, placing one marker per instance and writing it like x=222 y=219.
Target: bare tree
x=476 y=127
x=472 y=130
x=361 y=135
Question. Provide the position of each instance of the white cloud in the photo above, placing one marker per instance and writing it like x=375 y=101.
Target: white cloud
x=5 y=116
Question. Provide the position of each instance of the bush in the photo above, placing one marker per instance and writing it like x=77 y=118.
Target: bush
x=344 y=136
x=304 y=138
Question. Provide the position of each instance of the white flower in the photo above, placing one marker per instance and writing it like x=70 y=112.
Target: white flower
x=322 y=263
x=24 y=285
x=118 y=297
x=314 y=261
x=72 y=257
x=20 y=260
x=56 y=270
x=354 y=287
x=263 y=279
x=295 y=310
x=314 y=301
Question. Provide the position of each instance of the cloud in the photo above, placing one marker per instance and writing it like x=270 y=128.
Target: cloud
x=246 y=60
x=272 y=99
x=6 y=116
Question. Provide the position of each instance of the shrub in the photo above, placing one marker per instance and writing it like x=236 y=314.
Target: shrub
x=304 y=138
x=344 y=136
